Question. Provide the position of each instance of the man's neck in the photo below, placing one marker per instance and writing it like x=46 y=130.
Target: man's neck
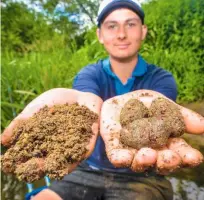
x=123 y=68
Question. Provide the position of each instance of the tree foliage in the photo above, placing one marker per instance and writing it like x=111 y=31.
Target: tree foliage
x=75 y=8
x=24 y=28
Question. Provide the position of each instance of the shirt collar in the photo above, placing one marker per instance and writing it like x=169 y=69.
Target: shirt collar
x=140 y=68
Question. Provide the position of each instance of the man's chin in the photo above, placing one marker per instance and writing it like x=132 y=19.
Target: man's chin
x=124 y=58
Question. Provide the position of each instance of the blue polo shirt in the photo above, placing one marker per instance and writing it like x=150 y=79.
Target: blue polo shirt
x=121 y=88
x=99 y=79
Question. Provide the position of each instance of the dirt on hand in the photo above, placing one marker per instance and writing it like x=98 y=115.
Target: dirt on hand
x=152 y=128
x=53 y=138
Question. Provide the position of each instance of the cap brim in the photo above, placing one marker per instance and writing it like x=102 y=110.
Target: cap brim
x=114 y=5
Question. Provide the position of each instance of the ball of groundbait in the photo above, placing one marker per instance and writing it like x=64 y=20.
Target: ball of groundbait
x=159 y=132
x=167 y=110
x=137 y=134
x=146 y=132
x=132 y=110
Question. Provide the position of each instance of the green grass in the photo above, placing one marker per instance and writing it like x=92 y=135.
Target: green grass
x=23 y=78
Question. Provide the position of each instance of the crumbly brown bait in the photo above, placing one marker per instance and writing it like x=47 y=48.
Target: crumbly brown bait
x=59 y=135
x=29 y=171
x=143 y=127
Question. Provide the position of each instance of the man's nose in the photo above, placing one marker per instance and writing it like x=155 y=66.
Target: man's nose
x=122 y=33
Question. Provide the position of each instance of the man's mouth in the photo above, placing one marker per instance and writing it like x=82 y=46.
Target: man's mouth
x=122 y=46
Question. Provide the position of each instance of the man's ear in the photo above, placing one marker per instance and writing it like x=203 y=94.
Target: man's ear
x=144 y=31
x=99 y=35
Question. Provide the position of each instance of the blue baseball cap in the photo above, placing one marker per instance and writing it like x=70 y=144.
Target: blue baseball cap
x=108 y=6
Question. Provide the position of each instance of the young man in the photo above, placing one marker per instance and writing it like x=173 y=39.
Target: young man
x=121 y=30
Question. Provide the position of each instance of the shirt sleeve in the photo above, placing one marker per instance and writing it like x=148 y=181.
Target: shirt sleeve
x=166 y=85
x=86 y=81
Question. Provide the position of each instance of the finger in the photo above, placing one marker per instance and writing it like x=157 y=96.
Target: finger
x=92 y=142
x=190 y=157
x=110 y=127
x=118 y=154
x=94 y=103
x=6 y=136
x=47 y=194
x=167 y=161
x=194 y=122
x=121 y=157
x=143 y=159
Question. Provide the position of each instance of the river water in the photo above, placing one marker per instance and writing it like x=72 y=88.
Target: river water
x=188 y=184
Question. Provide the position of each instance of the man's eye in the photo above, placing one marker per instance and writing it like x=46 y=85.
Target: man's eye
x=112 y=26
x=131 y=24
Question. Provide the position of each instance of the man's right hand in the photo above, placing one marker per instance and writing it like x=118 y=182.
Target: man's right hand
x=56 y=97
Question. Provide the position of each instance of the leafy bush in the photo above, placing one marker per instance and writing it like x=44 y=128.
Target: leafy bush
x=176 y=42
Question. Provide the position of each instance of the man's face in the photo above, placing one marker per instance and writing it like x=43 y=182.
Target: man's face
x=121 y=33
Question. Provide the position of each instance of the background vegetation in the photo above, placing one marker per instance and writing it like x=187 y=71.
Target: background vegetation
x=43 y=50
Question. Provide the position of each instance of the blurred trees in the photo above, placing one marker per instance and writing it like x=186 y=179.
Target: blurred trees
x=23 y=26
x=77 y=8
x=20 y=27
